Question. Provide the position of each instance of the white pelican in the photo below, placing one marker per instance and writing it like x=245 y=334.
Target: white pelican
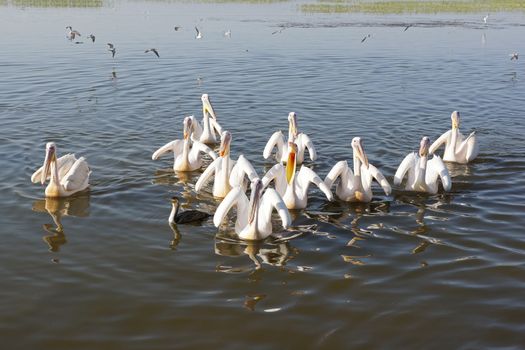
x=186 y=152
x=210 y=130
x=356 y=187
x=458 y=149
x=227 y=172
x=423 y=173
x=67 y=174
x=302 y=141
x=291 y=186
x=254 y=216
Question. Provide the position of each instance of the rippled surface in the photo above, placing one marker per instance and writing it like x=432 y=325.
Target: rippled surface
x=104 y=270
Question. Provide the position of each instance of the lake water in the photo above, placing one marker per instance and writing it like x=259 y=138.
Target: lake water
x=410 y=271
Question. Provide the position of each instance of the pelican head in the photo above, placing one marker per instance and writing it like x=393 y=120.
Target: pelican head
x=206 y=106
x=291 y=163
x=424 y=146
x=292 y=124
x=187 y=127
x=255 y=197
x=357 y=146
x=51 y=150
x=455 y=120
x=226 y=139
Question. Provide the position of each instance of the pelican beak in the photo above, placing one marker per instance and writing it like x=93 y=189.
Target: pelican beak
x=206 y=106
x=424 y=146
x=187 y=128
x=50 y=157
x=360 y=153
x=291 y=163
x=455 y=120
x=255 y=197
x=292 y=124
x=226 y=140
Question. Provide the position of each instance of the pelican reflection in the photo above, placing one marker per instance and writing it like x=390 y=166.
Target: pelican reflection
x=57 y=208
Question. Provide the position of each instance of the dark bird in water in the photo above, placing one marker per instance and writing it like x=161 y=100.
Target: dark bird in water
x=279 y=31
x=408 y=26
x=176 y=28
x=154 y=51
x=92 y=37
x=514 y=56
x=366 y=37
x=186 y=216
x=112 y=49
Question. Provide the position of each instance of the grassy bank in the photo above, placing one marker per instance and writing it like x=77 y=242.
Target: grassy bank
x=406 y=6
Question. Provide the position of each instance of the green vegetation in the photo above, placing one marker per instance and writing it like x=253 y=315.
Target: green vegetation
x=415 y=6
x=54 y=3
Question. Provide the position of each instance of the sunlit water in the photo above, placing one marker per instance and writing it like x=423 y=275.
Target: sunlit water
x=104 y=269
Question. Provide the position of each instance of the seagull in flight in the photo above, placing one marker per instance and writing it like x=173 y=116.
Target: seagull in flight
x=485 y=18
x=71 y=33
x=92 y=37
x=154 y=51
x=112 y=49
x=228 y=33
x=176 y=28
x=514 y=56
x=366 y=37
x=199 y=34
x=408 y=26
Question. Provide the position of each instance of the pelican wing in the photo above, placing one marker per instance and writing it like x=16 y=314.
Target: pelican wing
x=173 y=146
x=271 y=199
x=467 y=148
x=307 y=175
x=77 y=177
x=201 y=147
x=435 y=168
x=241 y=168
x=276 y=173
x=440 y=141
x=277 y=140
x=235 y=197
x=376 y=174
x=306 y=143
x=64 y=163
x=336 y=171
x=405 y=165
x=207 y=174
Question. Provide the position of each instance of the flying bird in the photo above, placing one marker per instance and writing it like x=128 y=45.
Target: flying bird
x=199 y=34
x=228 y=33
x=514 y=56
x=485 y=18
x=186 y=216
x=71 y=34
x=408 y=26
x=112 y=49
x=176 y=28
x=366 y=37
x=154 y=51
x=92 y=37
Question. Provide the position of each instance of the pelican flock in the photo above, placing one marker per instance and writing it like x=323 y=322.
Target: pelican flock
x=282 y=187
